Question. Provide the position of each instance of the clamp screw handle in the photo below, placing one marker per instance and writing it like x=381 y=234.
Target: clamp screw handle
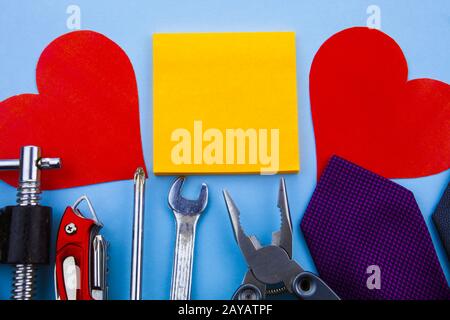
x=29 y=165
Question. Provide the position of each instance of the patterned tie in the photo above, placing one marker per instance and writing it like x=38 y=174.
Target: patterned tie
x=441 y=219
x=366 y=232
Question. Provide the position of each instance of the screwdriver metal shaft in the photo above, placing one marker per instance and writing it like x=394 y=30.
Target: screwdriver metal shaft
x=138 y=233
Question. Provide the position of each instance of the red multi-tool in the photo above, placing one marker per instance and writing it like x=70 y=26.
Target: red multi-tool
x=80 y=268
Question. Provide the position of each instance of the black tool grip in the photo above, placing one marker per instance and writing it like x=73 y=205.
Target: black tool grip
x=5 y=221
x=28 y=239
x=441 y=219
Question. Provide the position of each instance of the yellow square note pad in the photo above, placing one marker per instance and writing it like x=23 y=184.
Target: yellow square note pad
x=225 y=103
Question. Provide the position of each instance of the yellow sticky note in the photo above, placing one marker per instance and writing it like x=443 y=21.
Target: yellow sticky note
x=225 y=103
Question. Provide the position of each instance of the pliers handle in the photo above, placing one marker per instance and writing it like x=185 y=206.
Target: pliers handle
x=304 y=286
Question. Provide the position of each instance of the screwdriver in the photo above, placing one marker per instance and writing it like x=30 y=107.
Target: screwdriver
x=138 y=233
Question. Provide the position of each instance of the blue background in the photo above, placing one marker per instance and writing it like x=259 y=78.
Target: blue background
x=420 y=27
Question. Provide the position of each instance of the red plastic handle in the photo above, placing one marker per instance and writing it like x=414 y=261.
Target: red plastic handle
x=76 y=244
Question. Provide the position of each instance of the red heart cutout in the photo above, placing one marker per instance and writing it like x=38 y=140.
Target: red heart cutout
x=86 y=113
x=366 y=111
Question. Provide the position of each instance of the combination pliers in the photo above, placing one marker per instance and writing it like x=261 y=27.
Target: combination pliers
x=271 y=268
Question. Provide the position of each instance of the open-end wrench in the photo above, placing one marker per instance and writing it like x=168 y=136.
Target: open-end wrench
x=186 y=214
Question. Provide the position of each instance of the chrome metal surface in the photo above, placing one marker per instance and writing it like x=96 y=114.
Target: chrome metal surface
x=29 y=165
x=9 y=164
x=79 y=201
x=187 y=213
x=273 y=265
x=24 y=282
x=138 y=235
x=99 y=289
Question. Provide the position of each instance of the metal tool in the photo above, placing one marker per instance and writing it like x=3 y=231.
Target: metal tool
x=81 y=254
x=138 y=234
x=271 y=268
x=186 y=214
x=27 y=240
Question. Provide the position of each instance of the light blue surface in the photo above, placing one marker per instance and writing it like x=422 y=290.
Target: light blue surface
x=420 y=27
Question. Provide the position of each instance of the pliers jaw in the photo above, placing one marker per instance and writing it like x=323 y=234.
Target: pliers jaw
x=249 y=245
x=283 y=237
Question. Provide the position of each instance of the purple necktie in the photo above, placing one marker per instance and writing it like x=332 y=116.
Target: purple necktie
x=359 y=225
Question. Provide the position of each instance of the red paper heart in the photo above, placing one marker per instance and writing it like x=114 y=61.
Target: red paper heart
x=366 y=111
x=86 y=113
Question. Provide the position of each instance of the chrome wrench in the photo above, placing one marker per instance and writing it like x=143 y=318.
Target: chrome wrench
x=186 y=214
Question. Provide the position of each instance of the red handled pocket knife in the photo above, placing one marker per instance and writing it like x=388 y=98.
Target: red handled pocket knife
x=80 y=267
